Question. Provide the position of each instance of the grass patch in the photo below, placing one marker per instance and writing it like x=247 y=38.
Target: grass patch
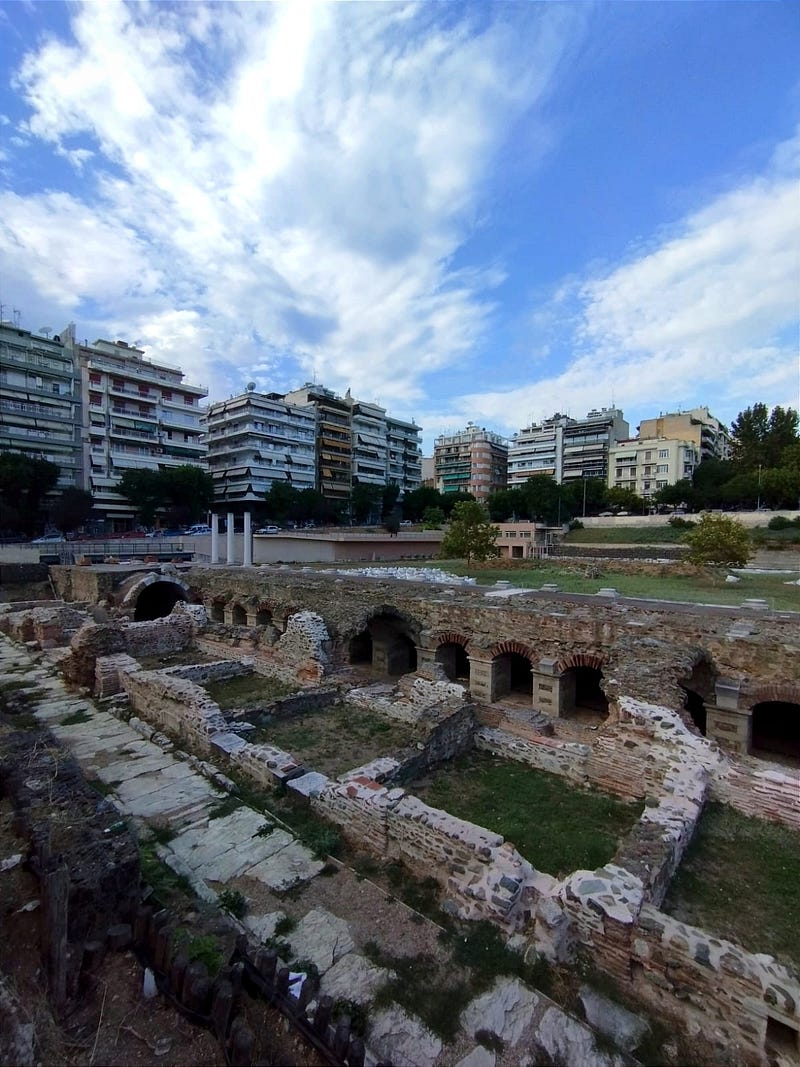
x=249 y=690
x=437 y=991
x=739 y=879
x=224 y=807
x=694 y=589
x=76 y=718
x=626 y=535
x=232 y=901
x=336 y=740
x=165 y=883
x=557 y=827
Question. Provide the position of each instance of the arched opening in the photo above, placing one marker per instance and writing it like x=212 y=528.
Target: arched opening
x=217 y=611
x=360 y=650
x=696 y=706
x=699 y=691
x=775 y=731
x=263 y=617
x=582 y=696
x=239 y=615
x=512 y=677
x=157 y=600
x=385 y=645
x=454 y=660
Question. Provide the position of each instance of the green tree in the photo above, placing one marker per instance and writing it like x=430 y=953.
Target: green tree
x=415 y=502
x=432 y=519
x=708 y=480
x=543 y=500
x=677 y=494
x=449 y=501
x=188 y=493
x=718 y=541
x=24 y=484
x=365 y=501
x=71 y=509
x=144 y=491
x=505 y=504
x=282 y=502
x=759 y=436
x=389 y=495
x=392 y=522
x=470 y=534
x=624 y=499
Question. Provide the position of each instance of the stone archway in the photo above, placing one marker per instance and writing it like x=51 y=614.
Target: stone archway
x=511 y=677
x=775 y=723
x=580 y=693
x=238 y=615
x=699 y=691
x=387 y=642
x=451 y=653
x=153 y=596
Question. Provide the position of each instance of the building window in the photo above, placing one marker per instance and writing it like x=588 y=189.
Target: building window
x=662 y=468
x=94 y=379
x=166 y=394
x=663 y=453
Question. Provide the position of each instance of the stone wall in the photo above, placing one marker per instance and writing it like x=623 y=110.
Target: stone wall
x=203 y=673
x=49 y=625
x=93 y=640
x=177 y=706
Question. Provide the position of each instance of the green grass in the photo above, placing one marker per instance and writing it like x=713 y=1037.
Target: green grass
x=165 y=883
x=696 y=589
x=227 y=806
x=76 y=718
x=338 y=739
x=627 y=535
x=247 y=690
x=740 y=879
x=557 y=827
x=200 y=948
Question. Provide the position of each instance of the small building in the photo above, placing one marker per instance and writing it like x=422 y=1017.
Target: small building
x=526 y=540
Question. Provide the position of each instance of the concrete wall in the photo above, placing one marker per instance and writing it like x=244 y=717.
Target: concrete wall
x=746 y=518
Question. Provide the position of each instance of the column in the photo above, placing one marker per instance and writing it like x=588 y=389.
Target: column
x=215 y=538
x=230 y=537
x=247 y=549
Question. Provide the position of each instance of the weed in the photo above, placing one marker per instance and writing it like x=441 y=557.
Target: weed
x=76 y=718
x=355 y=1013
x=164 y=882
x=265 y=830
x=162 y=834
x=224 y=807
x=422 y=896
x=480 y=947
x=106 y=788
x=200 y=948
x=307 y=966
x=282 y=948
x=232 y=901
x=284 y=925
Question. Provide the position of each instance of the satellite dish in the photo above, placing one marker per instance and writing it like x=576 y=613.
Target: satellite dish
x=45 y=331
x=251 y=386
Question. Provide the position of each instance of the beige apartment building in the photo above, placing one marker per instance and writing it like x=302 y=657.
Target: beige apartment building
x=698 y=426
x=471 y=461
x=647 y=465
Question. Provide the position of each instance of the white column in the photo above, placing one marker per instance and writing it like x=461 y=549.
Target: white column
x=230 y=537
x=215 y=538
x=247 y=550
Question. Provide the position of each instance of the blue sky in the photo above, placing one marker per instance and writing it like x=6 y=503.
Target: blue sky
x=461 y=211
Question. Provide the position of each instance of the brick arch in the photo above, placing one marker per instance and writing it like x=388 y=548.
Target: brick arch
x=782 y=692
x=450 y=637
x=141 y=582
x=580 y=659
x=502 y=648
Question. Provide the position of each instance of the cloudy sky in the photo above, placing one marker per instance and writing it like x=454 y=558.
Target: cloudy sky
x=461 y=211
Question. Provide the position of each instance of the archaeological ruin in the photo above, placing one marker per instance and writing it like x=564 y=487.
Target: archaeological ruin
x=675 y=710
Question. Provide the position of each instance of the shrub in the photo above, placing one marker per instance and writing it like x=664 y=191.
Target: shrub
x=679 y=523
x=779 y=522
x=576 y=524
x=232 y=901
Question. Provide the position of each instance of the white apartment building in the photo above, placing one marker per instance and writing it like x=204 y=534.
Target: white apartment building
x=136 y=414
x=697 y=425
x=39 y=400
x=257 y=439
x=404 y=462
x=566 y=448
x=475 y=461
x=370 y=449
x=645 y=465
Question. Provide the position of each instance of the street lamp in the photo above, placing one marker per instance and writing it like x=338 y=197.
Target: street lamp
x=758 y=502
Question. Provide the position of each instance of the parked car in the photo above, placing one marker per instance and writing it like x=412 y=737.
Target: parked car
x=48 y=539
x=406 y=522
x=268 y=529
x=197 y=529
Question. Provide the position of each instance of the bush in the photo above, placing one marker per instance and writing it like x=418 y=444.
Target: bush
x=779 y=522
x=679 y=523
x=576 y=524
x=234 y=902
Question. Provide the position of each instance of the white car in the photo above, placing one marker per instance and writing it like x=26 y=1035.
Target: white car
x=198 y=529
x=268 y=529
x=48 y=539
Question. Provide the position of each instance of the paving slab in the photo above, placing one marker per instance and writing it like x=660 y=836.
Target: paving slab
x=352 y=978
x=401 y=1040
x=286 y=868
x=505 y=1010
x=322 y=937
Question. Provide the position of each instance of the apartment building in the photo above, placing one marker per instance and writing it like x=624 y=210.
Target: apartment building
x=566 y=448
x=404 y=466
x=474 y=461
x=369 y=443
x=334 y=439
x=257 y=439
x=645 y=465
x=136 y=414
x=698 y=426
x=40 y=400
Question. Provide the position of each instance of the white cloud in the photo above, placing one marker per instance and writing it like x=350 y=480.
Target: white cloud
x=707 y=315
x=303 y=172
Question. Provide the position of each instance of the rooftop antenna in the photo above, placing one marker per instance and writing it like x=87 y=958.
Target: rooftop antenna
x=16 y=313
